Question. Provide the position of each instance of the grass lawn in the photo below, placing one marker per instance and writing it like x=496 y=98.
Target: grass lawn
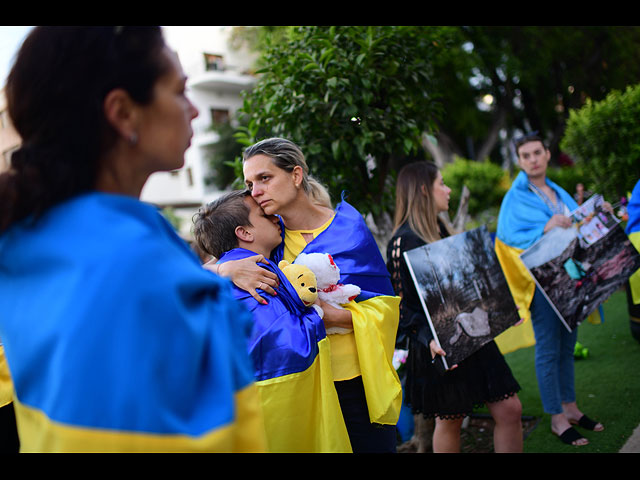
x=607 y=384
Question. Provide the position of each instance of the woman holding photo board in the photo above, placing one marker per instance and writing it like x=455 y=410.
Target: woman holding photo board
x=482 y=378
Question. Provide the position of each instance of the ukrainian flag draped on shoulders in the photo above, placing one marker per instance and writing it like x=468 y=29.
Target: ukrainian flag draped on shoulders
x=368 y=350
x=292 y=361
x=118 y=340
x=521 y=221
x=6 y=387
x=633 y=232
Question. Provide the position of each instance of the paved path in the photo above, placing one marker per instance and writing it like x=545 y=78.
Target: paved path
x=633 y=443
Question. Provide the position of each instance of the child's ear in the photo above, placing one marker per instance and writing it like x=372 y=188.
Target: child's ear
x=243 y=234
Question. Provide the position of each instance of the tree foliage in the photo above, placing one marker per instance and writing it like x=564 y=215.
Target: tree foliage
x=222 y=157
x=487 y=183
x=604 y=136
x=357 y=99
x=535 y=75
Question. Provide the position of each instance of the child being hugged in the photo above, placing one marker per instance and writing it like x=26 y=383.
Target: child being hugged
x=288 y=344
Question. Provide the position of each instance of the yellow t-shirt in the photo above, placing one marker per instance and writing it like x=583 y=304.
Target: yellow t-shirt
x=375 y=323
x=344 y=354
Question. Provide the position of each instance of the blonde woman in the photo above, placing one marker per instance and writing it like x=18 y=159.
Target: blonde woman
x=368 y=387
x=484 y=377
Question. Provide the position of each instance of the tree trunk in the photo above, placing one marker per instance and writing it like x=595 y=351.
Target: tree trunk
x=492 y=136
x=443 y=149
x=462 y=215
x=381 y=229
x=422 y=439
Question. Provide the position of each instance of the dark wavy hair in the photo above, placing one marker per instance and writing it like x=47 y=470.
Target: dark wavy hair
x=55 y=93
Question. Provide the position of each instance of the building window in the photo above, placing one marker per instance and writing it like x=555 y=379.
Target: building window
x=213 y=62
x=219 y=116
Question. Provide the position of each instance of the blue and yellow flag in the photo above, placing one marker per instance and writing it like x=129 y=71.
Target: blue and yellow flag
x=292 y=361
x=6 y=386
x=633 y=232
x=118 y=340
x=368 y=350
x=523 y=216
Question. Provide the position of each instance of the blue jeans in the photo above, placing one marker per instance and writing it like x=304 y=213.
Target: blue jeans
x=553 y=356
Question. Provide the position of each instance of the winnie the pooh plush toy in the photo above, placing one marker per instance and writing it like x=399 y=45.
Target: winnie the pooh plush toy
x=327 y=276
x=303 y=280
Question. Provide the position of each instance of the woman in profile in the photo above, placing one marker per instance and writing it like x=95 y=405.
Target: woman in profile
x=484 y=377
x=116 y=339
x=368 y=387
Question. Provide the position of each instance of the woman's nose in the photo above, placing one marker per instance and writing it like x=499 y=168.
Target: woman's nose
x=194 y=111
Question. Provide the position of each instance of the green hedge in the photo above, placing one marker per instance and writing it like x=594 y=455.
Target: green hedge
x=604 y=139
x=486 y=181
x=569 y=177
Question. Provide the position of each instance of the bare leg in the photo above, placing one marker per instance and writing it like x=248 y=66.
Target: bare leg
x=507 y=433
x=446 y=436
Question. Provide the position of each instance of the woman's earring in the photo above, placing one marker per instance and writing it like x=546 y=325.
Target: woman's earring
x=133 y=139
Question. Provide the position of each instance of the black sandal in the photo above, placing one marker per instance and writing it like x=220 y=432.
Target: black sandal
x=587 y=423
x=570 y=436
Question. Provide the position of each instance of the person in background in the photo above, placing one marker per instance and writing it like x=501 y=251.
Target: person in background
x=482 y=378
x=533 y=206
x=117 y=340
x=276 y=173
x=581 y=194
x=633 y=285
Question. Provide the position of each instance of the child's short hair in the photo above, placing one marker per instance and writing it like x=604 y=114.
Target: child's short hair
x=215 y=223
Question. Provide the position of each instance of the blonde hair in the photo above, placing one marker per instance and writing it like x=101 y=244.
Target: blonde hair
x=414 y=205
x=287 y=155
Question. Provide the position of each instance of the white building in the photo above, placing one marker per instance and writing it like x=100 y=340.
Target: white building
x=217 y=74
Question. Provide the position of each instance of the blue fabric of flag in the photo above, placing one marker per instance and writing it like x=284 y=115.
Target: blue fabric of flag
x=285 y=333
x=523 y=214
x=354 y=250
x=109 y=322
x=633 y=209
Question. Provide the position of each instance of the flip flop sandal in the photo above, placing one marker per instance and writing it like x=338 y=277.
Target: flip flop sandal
x=587 y=423
x=570 y=435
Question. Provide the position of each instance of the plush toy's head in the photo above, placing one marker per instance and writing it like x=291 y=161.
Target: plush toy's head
x=322 y=265
x=328 y=276
x=302 y=279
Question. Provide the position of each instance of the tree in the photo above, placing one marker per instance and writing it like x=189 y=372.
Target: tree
x=604 y=137
x=357 y=99
x=221 y=157
x=534 y=76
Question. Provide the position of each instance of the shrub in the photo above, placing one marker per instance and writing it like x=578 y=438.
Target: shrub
x=487 y=184
x=604 y=138
x=569 y=177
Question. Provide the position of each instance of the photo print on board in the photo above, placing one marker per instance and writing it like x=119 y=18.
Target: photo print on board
x=463 y=292
x=580 y=267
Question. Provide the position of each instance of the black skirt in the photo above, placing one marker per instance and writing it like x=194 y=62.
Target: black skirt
x=483 y=377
